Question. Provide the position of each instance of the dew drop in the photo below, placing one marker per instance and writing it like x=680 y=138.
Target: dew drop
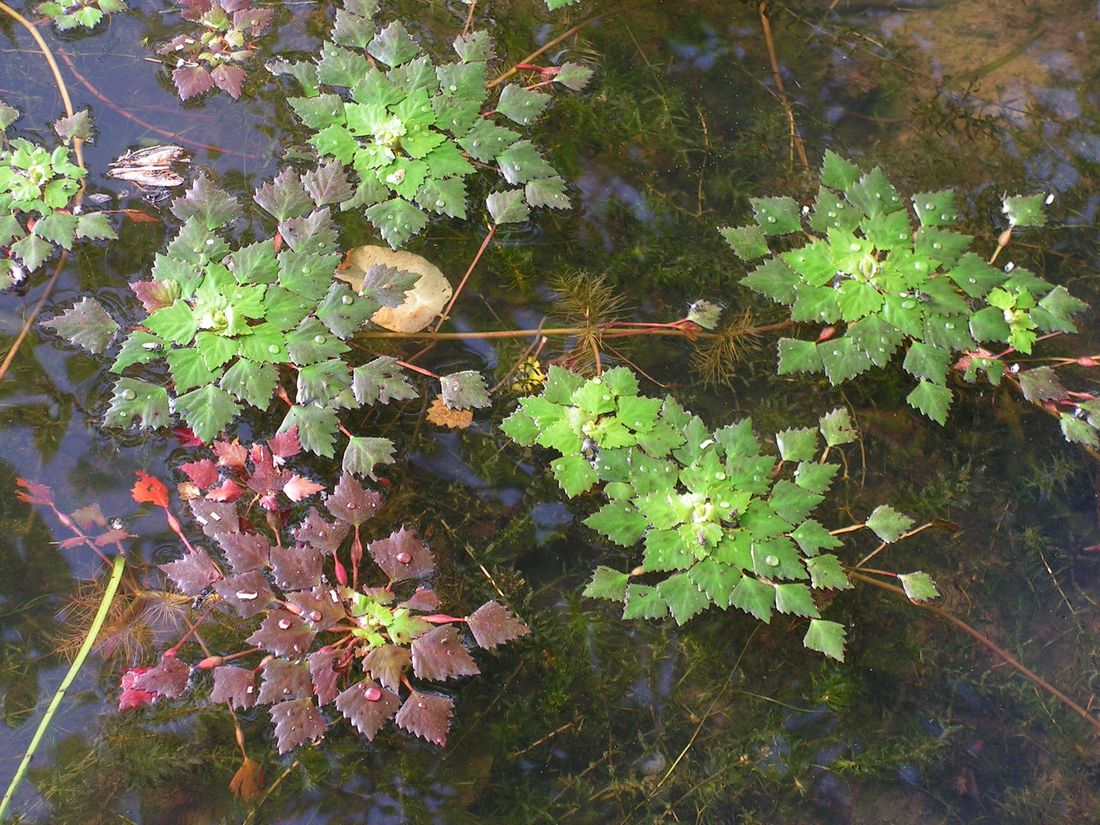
x=720 y=476
x=908 y=304
x=725 y=505
x=246 y=595
x=771 y=218
x=945 y=217
x=284 y=624
x=315 y=616
x=420 y=704
x=937 y=245
x=930 y=206
x=273 y=348
x=854 y=247
x=250 y=689
x=333 y=595
x=128 y=395
x=832 y=214
x=373 y=693
x=772 y=561
x=972 y=280
x=949 y=325
x=439 y=204
x=346 y=300
x=403 y=558
x=286 y=691
x=318 y=339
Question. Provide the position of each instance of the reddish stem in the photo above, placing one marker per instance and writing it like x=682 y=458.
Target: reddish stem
x=441 y=618
x=466 y=277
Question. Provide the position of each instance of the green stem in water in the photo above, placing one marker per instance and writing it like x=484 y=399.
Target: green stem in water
x=85 y=649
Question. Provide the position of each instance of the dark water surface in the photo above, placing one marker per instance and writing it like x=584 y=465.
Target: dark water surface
x=591 y=719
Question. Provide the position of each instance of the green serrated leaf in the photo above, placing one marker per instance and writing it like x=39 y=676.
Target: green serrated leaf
x=888 y=524
x=836 y=172
x=842 y=359
x=931 y=399
x=872 y=194
x=795 y=600
x=619 y=521
x=644 y=602
x=936 y=208
x=340 y=67
x=827 y=573
x=86 y=324
x=138 y=400
x=521 y=105
x=683 y=597
x=777 y=216
x=811 y=536
x=188 y=369
x=773 y=279
x=815 y=477
x=207 y=411
x=463 y=390
x=58 y=228
x=509 y=206
x=397 y=220
x=317 y=428
x=94 y=226
x=206 y=203
x=791 y=501
x=825 y=637
x=754 y=597
x=574 y=474
x=311 y=342
x=323 y=382
x=927 y=361
x=344 y=312
x=364 y=453
x=1025 y=210
x=393 y=45
x=607 y=584
x=252 y=382
x=798 y=356
x=797 y=444
x=445 y=197
x=749 y=242
x=918 y=586
x=837 y=427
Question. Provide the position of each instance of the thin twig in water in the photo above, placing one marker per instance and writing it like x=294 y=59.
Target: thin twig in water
x=796 y=139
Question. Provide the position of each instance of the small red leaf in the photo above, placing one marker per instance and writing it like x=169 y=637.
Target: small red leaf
x=285 y=444
x=230 y=454
x=387 y=664
x=367 y=706
x=186 y=437
x=149 y=490
x=229 y=490
x=428 y=715
x=34 y=493
x=423 y=600
x=111 y=536
x=89 y=517
x=315 y=530
x=168 y=678
x=296 y=722
x=229 y=79
x=439 y=655
x=493 y=624
x=350 y=503
x=202 y=473
x=321 y=607
x=299 y=488
x=193 y=573
x=245 y=551
x=191 y=81
x=402 y=555
x=284 y=681
x=323 y=675
x=248 y=592
x=154 y=295
x=296 y=568
x=284 y=634
x=130 y=697
x=235 y=685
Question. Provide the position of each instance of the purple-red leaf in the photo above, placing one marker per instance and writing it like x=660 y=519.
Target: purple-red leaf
x=285 y=444
x=216 y=518
x=155 y=295
x=423 y=600
x=428 y=715
x=297 y=567
x=247 y=592
x=323 y=535
x=229 y=79
x=236 y=685
x=284 y=634
x=387 y=664
x=367 y=706
x=168 y=678
x=284 y=681
x=191 y=81
x=299 y=487
x=402 y=555
x=439 y=655
x=296 y=722
x=493 y=624
x=255 y=19
x=321 y=607
x=202 y=473
x=350 y=503
x=324 y=675
x=245 y=551
x=193 y=573
x=230 y=454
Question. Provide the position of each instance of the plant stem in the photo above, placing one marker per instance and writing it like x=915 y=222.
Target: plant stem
x=985 y=641
x=539 y=52
x=74 y=668
x=469 y=270
x=796 y=139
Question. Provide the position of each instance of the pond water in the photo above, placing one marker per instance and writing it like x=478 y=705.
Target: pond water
x=592 y=719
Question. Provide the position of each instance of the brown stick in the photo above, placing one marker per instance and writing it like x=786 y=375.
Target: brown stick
x=796 y=139
x=988 y=643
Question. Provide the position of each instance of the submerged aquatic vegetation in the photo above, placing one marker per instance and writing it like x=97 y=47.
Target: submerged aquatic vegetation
x=711 y=508
x=891 y=285
x=414 y=132
x=38 y=191
x=218 y=54
x=353 y=644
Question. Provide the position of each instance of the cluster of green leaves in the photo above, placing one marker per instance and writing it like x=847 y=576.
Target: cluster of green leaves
x=722 y=522
x=864 y=266
x=224 y=321
x=214 y=56
x=37 y=188
x=68 y=14
x=414 y=132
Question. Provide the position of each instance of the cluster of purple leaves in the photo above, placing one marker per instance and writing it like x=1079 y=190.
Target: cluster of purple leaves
x=321 y=658
x=213 y=56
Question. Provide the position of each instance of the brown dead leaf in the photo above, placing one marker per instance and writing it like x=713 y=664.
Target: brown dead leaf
x=443 y=416
x=248 y=781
